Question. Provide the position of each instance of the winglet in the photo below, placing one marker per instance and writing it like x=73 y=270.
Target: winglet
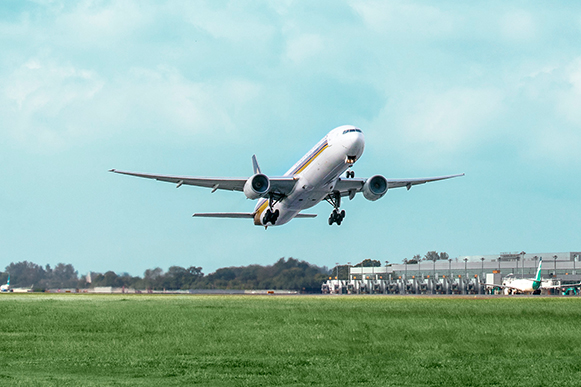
x=255 y=165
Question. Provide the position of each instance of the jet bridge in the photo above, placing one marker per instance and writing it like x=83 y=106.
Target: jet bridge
x=373 y=284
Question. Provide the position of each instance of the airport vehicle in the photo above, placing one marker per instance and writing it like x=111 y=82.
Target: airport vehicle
x=314 y=178
x=6 y=287
x=513 y=285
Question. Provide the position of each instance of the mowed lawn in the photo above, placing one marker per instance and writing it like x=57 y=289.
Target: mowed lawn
x=163 y=340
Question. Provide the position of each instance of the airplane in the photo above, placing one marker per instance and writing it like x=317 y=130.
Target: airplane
x=317 y=176
x=529 y=285
x=6 y=287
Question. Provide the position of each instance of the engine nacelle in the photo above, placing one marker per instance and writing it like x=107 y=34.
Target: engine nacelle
x=375 y=187
x=256 y=186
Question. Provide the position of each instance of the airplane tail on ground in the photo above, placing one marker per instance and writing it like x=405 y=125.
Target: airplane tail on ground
x=538 y=276
x=8 y=283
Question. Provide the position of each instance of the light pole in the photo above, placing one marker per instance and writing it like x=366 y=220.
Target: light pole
x=555 y=269
x=482 y=259
x=337 y=266
x=450 y=267
x=434 y=273
x=522 y=254
x=348 y=270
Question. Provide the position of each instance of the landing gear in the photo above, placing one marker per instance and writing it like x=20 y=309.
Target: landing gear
x=336 y=217
x=350 y=174
x=270 y=216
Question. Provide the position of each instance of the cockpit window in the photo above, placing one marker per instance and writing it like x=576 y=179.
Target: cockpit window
x=351 y=130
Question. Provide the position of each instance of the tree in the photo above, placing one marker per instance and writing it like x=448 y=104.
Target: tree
x=63 y=276
x=369 y=263
x=25 y=274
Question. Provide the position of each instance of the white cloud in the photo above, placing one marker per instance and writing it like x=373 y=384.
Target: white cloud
x=46 y=105
x=404 y=17
x=102 y=24
x=517 y=26
x=233 y=22
x=448 y=120
x=303 y=47
x=38 y=93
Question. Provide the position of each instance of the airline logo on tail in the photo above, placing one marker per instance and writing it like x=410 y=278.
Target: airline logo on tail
x=537 y=280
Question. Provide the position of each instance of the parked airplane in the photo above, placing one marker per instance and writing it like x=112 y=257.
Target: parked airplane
x=513 y=285
x=314 y=178
x=6 y=287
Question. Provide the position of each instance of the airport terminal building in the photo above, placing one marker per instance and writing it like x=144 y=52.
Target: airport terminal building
x=462 y=275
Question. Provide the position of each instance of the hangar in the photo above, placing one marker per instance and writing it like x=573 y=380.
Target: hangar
x=461 y=275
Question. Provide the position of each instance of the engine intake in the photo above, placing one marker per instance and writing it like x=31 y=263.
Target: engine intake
x=256 y=186
x=375 y=187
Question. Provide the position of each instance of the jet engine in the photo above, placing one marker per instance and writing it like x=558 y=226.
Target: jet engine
x=375 y=187
x=256 y=186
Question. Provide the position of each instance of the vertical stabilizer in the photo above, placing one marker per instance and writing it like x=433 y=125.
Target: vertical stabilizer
x=8 y=283
x=255 y=165
x=538 y=276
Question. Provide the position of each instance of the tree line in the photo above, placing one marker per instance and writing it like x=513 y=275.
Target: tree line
x=287 y=274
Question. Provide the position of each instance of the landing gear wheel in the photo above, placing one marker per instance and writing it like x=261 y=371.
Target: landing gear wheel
x=336 y=217
x=270 y=216
x=350 y=174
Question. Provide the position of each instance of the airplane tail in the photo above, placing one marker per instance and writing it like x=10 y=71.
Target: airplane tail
x=8 y=283
x=538 y=276
x=255 y=166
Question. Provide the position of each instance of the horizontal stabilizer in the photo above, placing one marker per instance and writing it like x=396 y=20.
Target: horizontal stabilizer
x=237 y=215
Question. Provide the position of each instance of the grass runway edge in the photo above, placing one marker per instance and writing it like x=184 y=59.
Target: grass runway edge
x=74 y=339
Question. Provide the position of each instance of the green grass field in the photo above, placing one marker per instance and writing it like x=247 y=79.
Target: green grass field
x=288 y=340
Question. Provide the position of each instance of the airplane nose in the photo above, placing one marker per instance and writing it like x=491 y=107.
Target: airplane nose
x=355 y=144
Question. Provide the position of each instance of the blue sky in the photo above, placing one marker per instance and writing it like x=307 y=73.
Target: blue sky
x=492 y=89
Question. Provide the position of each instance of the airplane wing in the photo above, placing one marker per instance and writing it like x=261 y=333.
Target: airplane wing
x=501 y=286
x=236 y=215
x=281 y=185
x=351 y=186
x=562 y=286
x=239 y=215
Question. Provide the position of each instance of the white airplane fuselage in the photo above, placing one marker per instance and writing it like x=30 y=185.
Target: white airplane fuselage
x=524 y=285
x=317 y=173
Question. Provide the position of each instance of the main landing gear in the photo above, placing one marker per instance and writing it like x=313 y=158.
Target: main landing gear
x=337 y=215
x=270 y=216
